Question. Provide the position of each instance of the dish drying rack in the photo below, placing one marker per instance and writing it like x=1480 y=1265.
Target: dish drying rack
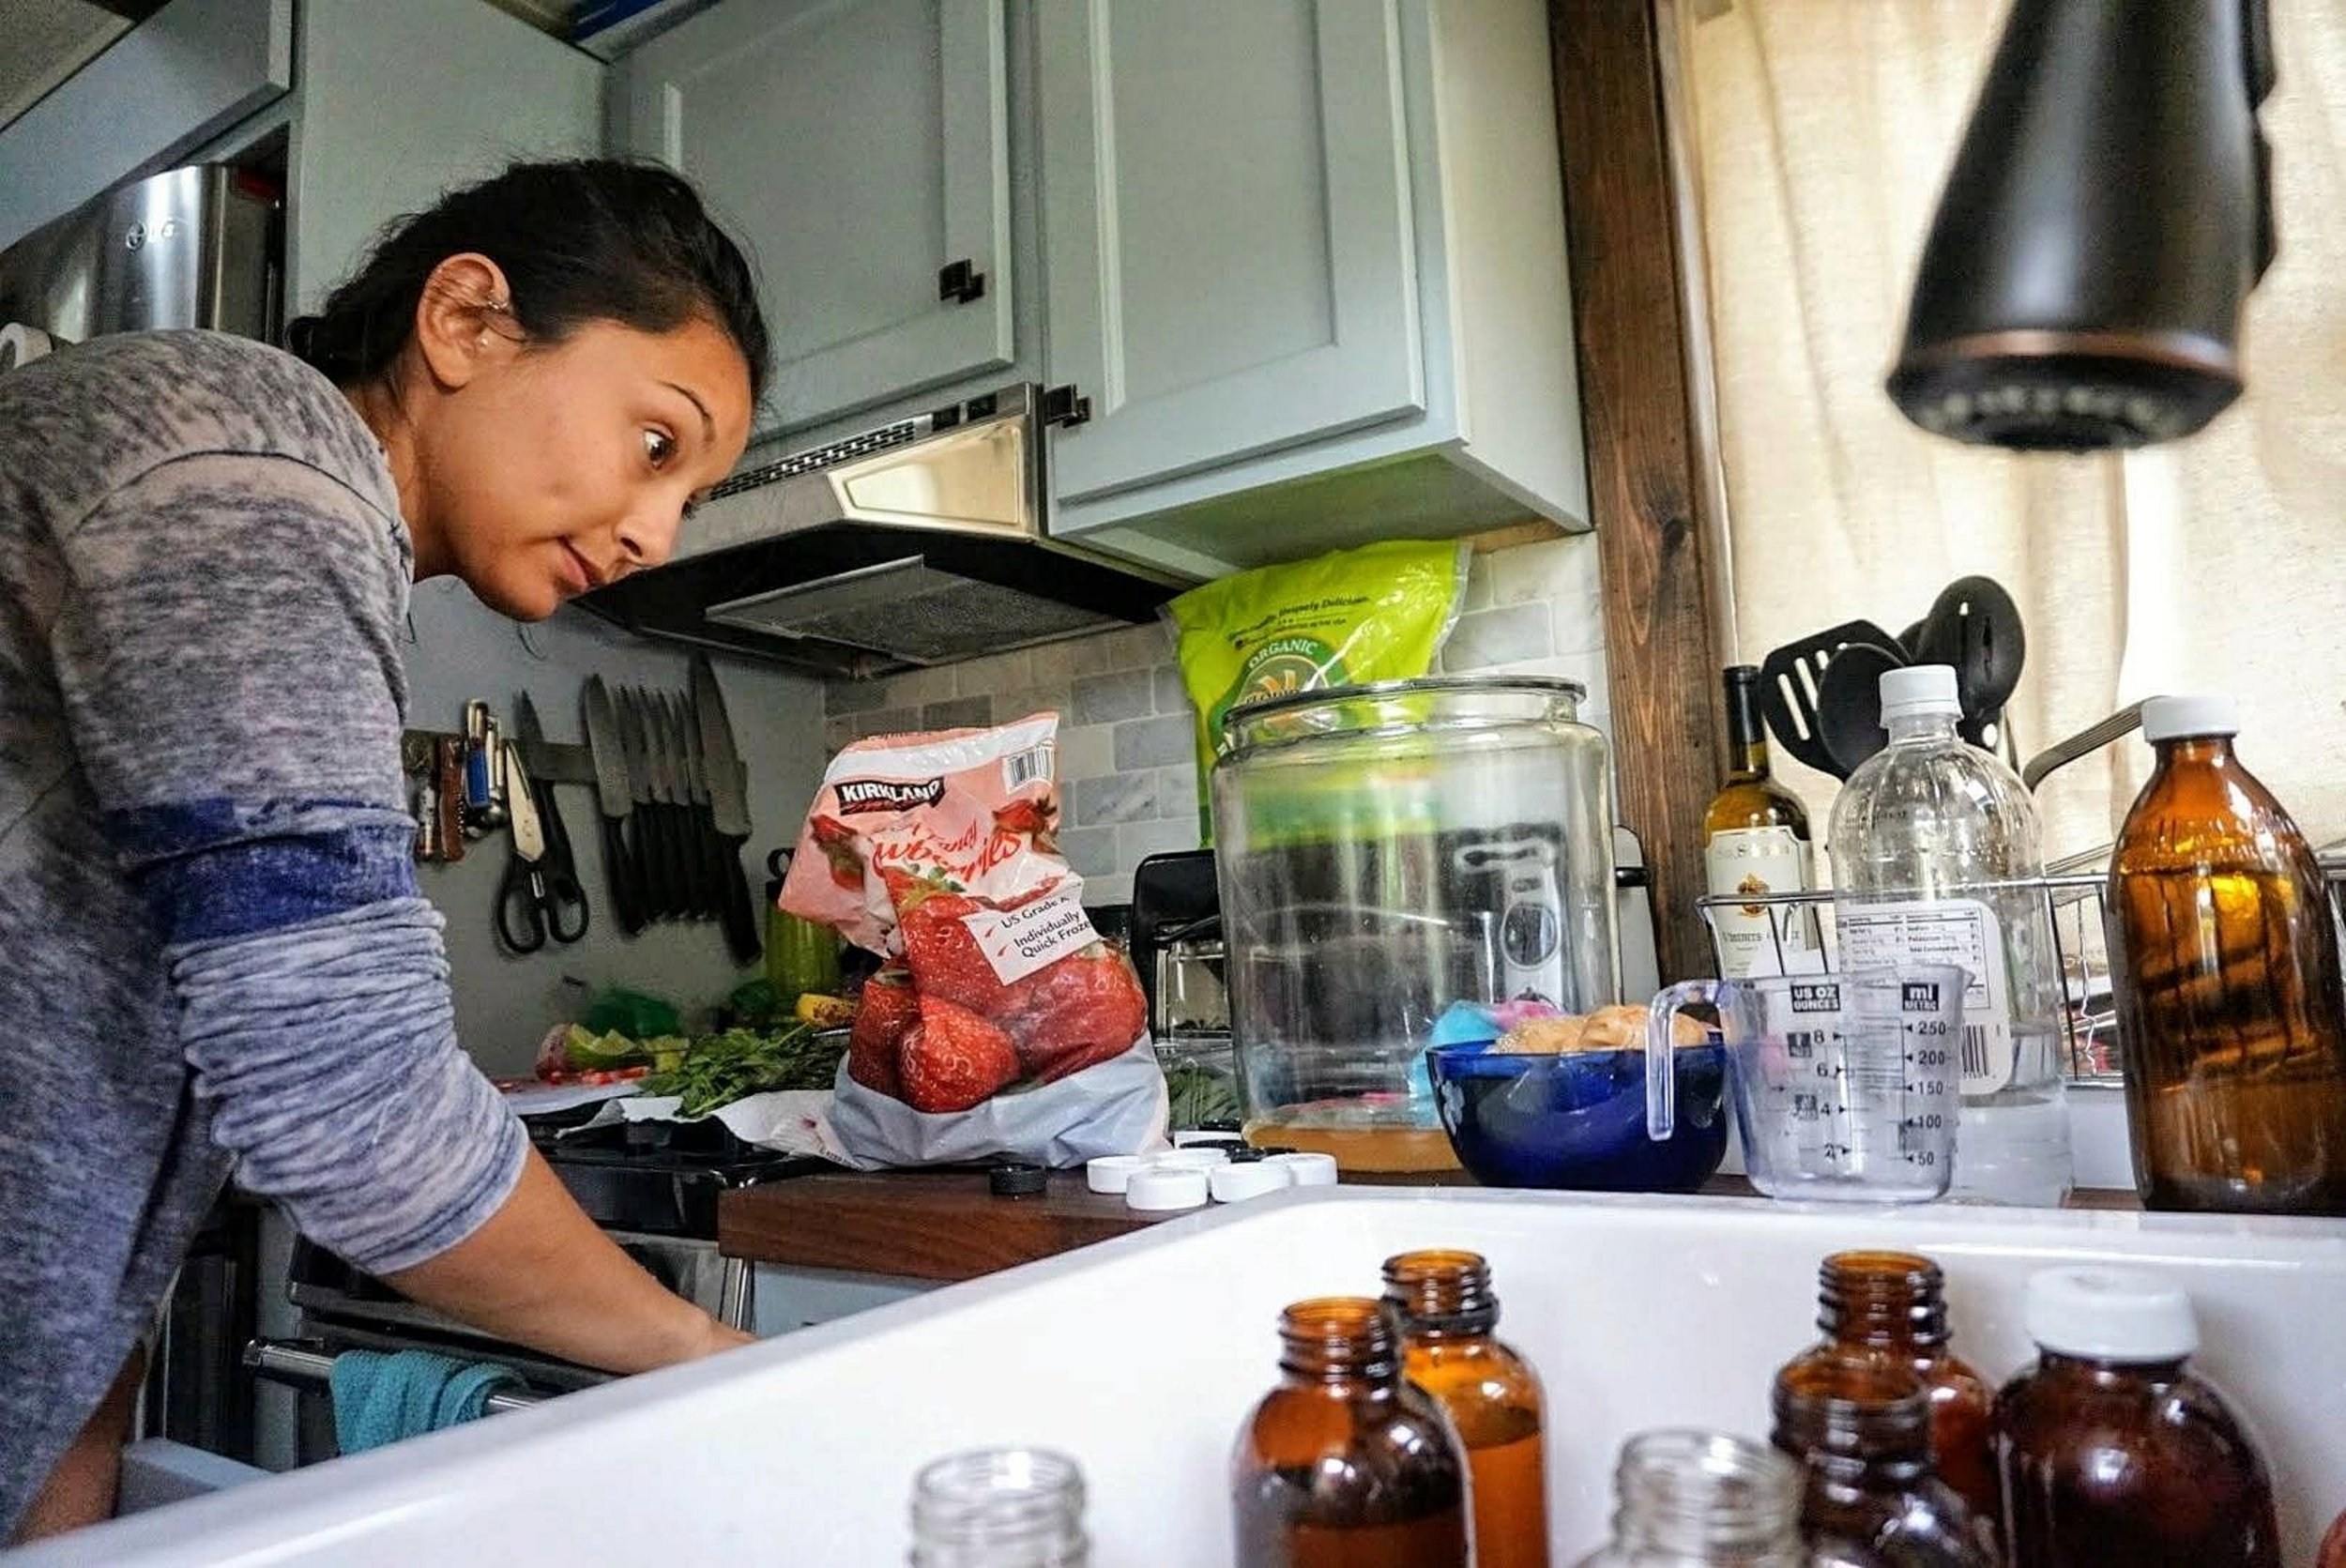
x=2075 y=892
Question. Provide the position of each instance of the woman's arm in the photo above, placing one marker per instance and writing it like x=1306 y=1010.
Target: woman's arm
x=228 y=658
x=541 y=1273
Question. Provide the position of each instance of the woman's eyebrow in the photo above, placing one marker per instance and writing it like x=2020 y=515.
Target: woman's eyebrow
x=708 y=426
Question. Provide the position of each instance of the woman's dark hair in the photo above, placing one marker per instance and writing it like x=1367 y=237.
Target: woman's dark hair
x=587 y=239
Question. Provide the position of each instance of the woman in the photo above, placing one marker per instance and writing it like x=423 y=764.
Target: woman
x=216 y=953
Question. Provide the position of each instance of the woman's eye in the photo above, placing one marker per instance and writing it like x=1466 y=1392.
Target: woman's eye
x=657 y=447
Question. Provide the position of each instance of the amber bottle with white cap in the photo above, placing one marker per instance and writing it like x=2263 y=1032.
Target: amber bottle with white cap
x=2111 y=1451
x=2231 y=1007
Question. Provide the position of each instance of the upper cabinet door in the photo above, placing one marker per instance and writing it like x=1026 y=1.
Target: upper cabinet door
x=1227 y=230
x=859 y=149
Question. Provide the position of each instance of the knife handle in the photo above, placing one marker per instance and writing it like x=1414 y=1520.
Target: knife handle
x=735 y=908
x=619 y=874
x=709 y=854
x=655 y=859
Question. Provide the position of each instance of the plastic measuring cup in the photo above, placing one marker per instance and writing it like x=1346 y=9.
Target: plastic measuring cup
x=1845 y=1087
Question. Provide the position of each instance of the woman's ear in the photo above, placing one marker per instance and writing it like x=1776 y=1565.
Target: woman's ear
x=464 y=319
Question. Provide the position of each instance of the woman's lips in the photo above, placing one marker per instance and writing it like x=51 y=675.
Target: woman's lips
x=579 y=571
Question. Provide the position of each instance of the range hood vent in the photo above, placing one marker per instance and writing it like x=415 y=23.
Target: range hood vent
x=910 y=611
x=919 y=543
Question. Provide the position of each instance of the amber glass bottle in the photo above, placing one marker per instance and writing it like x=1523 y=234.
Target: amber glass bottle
x=1443 y=1304
x=2111 y=1452
x=1346 y=1464
x=1872 y=1498
x=2231 y=1007
x=1892 y=1306
x=1755 y=840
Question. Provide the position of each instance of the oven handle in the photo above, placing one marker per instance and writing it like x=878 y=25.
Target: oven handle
x=287 y=1361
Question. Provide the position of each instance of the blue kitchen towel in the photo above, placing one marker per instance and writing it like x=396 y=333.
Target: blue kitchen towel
x=382 y=1398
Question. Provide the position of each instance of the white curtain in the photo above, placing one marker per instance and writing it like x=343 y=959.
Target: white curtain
x=1820 y=132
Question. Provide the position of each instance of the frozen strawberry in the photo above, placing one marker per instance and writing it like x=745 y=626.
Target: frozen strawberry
x=953 y=1060
x=840 y=852
x=1075 y=1013
x=944 y=955
x=1037 y=819
x=889 y=1008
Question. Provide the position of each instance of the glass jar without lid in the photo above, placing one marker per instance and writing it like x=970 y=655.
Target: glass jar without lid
x=1701 y=1499
x=1386 y=853
x=1891 y=1307
x=999 y=1508
x=1872 y=1498
x=1347 y=1464
x=1442 y=1302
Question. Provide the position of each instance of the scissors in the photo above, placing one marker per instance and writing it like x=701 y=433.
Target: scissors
x=541 y=896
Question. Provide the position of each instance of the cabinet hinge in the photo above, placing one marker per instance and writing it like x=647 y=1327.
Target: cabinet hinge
x=1064 y=406
x=959 y=282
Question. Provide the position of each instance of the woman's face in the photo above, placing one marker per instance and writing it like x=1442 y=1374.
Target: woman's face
x=556 y=468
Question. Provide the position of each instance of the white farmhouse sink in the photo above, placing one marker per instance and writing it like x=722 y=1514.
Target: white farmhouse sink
x=1140 y=1355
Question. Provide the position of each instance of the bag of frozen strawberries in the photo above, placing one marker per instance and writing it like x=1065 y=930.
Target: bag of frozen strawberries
x=1001 y=1023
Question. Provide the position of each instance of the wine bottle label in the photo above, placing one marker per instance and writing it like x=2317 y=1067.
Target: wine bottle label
x=1959 y=931
x=1756 y=939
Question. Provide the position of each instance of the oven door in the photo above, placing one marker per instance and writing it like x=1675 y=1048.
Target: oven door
x=343 y=1309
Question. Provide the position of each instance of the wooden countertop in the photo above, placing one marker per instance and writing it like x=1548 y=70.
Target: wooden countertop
x=941 y=1226
x=946 y=1226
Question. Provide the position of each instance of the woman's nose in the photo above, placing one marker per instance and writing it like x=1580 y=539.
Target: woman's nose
x=647 y=537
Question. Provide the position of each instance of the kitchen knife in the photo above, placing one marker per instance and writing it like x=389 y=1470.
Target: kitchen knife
x=692 y=809
x=728 y=807
x=613 y=804
x=651 y=854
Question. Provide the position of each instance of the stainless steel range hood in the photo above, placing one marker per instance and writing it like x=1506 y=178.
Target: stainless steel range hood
x=919 y=543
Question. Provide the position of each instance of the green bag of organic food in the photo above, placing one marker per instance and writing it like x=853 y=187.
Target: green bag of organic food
x=1378 y=613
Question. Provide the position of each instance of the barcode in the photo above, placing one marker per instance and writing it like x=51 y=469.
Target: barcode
x=1975 y=1063
x=1024 y=767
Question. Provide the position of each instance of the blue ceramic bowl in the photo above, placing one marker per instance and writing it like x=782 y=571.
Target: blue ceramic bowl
x=1578 y=1120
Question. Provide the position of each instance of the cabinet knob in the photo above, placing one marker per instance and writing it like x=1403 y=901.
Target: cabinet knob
x=959 y=282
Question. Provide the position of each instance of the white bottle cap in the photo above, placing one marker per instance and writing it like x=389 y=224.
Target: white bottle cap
x=1309 y=1170
x=1189 y=1158
x=1112 y=1173
x=2166 y=718
x=2118 y=1315
x=1248 y=1179
x=1919 y=690
x=1157 y=1189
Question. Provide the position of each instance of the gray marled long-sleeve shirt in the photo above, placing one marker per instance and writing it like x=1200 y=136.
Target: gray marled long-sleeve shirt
x=212 y=950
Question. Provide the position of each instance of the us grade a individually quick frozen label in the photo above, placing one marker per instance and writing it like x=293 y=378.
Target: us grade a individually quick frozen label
x=1959 y=931
x=1019 y=942
x=1756 y=939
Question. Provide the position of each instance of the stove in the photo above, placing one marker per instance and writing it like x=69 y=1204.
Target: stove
x=659 y=1178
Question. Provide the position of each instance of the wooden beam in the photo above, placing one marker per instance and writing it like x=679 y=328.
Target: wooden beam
x=1661 y=648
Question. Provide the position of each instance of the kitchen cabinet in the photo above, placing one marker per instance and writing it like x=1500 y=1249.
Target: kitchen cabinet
x=191 y=71
x=860 y=149
x=1306 y=261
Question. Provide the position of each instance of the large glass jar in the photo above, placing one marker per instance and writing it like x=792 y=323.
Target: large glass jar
x=1386 y=853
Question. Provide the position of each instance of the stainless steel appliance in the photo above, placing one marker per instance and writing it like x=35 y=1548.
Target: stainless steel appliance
x=918 y=542
x=652 y=1186
x=192 y=247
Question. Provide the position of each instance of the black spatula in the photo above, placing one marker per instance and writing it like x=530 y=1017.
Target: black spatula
x=1792 y=678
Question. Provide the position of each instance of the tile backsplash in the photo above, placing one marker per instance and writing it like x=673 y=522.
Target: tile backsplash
x=1127 y=756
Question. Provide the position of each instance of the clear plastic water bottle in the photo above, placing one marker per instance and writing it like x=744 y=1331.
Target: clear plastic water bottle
x=1935 y=859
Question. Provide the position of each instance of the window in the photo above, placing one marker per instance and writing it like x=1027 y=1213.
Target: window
x=1819 y=134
